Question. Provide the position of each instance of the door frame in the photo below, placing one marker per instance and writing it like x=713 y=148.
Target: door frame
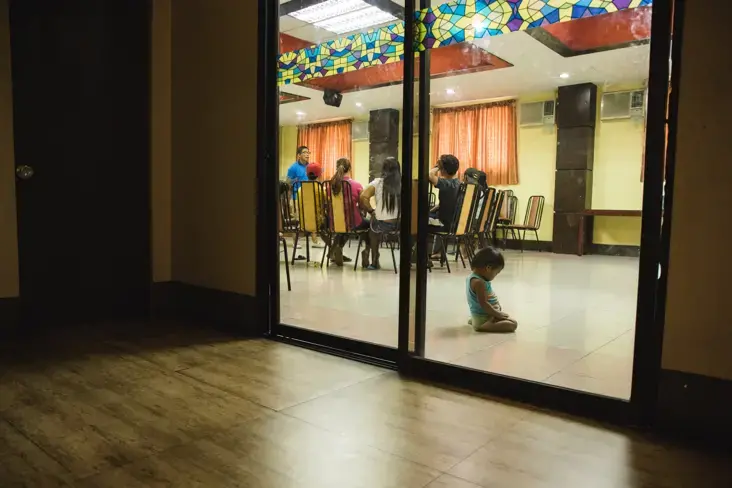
x=654 y=237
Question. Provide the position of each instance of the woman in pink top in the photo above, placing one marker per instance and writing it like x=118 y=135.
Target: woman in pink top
x=343 y=173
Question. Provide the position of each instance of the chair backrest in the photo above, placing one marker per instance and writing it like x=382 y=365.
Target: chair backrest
x=504 y=211
x=534 y=211
x=512 y=208
x=467 y=196
x=310 y=204
x=483 y=215
x=287 y=220
x=341 y=208
x=495 y=211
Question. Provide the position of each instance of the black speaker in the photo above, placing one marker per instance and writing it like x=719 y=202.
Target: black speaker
x=577 y=106
x=332 y=98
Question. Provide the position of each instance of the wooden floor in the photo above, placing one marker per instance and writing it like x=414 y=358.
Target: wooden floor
x=135 y=409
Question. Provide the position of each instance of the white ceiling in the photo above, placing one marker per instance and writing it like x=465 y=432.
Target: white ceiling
x=536 y=69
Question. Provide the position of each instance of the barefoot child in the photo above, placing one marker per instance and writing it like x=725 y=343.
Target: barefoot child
x=485 y=311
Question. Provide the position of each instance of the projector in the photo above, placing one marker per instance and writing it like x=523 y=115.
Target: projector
x=332 y=98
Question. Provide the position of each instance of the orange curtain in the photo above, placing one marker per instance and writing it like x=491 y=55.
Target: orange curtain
x=480 y=136
x=327 y=142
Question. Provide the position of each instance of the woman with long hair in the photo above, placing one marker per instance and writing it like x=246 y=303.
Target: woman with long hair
x=343 y=174
x=387 y=193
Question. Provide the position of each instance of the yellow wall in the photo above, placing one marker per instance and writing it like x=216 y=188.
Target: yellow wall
x=617 y=170
x=697 y=335
x=8 y=227
x=288 y=148
x=214 y=144
x=537 y=156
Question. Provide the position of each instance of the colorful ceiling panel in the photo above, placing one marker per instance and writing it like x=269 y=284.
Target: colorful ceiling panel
x=453 y=60
x=447 y=24
x=603 y=32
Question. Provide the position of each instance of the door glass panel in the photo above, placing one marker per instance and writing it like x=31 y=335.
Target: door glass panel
x=538 y=122
x=340 y=123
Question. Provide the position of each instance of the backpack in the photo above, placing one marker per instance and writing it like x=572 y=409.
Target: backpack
x=477 y=177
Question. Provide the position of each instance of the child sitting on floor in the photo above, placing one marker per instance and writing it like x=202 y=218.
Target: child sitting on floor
x=485 y=311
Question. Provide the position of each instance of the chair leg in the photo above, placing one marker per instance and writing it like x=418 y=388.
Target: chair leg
x=393 y=258
x=325 y=253
x=444 y=254
x=460 y=252
x=307 y=247
x=536 y=234
x=358 y=254
x=294 y=247
x=287 y=265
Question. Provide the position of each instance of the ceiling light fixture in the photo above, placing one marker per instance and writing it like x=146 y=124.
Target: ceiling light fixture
x=300 y=114
x=359 y=104
x=328 y=9
x=341 y=16
x=564 y=76
x=450 y=91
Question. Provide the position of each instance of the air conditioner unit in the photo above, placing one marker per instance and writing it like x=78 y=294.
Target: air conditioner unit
x=360 y=130
x=537 y=113
x=623 y=105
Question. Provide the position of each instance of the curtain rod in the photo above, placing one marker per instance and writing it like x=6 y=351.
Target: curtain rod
x=474 y=102
x=325 y=121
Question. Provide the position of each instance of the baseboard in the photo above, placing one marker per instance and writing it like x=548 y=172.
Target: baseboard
x=528 y=245
x=232 y=312
x=9 y=315
x=615 y=250
x=694 y=407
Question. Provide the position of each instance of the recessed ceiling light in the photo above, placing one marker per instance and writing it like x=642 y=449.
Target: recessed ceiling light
x=300 y=114
x=359 y=104
x=326 y=10
x=450 y=91
x=341 y=16
x=564 y=76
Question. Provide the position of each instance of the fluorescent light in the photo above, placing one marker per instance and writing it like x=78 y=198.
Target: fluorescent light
x=328 y=9
x=564 y=76
x=356 y=20
x=450 y=91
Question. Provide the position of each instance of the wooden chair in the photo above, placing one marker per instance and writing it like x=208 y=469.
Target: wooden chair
x=481 y=222
x=532 y=219
x=462 y=222
x=311 y=213
x=489 y=234
x=340 y=217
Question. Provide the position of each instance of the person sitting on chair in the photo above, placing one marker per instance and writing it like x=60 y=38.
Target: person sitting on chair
x=444 y=177
x=343 y=173
x=387 y=192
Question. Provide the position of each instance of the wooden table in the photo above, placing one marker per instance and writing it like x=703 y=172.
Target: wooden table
x=584 y=233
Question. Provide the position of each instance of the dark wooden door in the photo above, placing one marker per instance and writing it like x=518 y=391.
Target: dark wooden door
x=81 y=124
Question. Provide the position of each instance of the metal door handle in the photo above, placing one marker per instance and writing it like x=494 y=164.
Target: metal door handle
x=24 y=172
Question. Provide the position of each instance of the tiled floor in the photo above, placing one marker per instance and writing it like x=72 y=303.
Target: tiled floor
x=177 y=407
x=576 y=315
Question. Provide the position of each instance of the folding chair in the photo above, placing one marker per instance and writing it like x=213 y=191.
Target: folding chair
x=532 y=219
x=311 y=213
x=462 y=222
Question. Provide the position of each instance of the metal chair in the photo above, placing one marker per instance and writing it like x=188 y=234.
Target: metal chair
x=341 y=212
x=532 y=220
x=462 y=222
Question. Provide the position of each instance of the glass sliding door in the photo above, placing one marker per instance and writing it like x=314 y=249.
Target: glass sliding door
x=341 y=140
x=533 y=164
